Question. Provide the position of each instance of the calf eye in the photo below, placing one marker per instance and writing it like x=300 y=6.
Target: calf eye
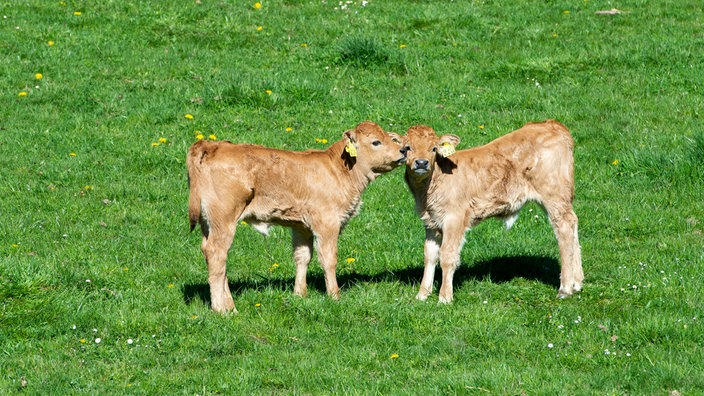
x=435 y=149
x=376 y=143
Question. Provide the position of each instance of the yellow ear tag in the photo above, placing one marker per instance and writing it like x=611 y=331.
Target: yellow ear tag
x=446 y=150
x=350 y=148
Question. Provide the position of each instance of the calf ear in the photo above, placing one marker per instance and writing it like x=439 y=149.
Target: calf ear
x=395 y=137
x=446 y=145
x=351 y=135
x=350 y=148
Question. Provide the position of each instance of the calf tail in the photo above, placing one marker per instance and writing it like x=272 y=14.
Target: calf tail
x=567 y=156
x=194 y=164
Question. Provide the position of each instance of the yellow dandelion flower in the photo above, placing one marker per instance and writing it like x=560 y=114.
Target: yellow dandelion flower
x=154 y=144
x=38 y=76
x=349 y=260
x=72 y=154
x=88 y=188
x=212 y=137
x=324 y=141
x=125 y=269
x=257 y=305
x=267 y=91
x=394 y=356
x=82 y=340
x=194 y=316
x=304 y=45
x=244 y=223
x=481 y=126
x=615 y=162
x=188 y=116
x=200 y=136
x=14 y=245
x=260 y=28
x=22 y=94
x=289 y=129
x=257 y=5
x=62 y=3
x=402 y=46
x=170 y=285
x=566 y=12
x=50 y=43
x=162 y=140
x=77 y=13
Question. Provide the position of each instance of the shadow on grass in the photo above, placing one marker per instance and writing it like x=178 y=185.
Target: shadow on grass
x=498 y=270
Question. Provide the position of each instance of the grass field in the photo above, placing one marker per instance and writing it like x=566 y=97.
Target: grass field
x=103 y=290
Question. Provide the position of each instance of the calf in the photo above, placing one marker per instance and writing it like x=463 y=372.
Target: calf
x=315 y=193
x=454 y=191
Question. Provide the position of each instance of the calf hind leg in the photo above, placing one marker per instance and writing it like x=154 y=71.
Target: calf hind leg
x=564 y=224
x=216 y=243
x=302 y=252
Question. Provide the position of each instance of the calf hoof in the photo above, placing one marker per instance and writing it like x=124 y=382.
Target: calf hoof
x=577 y=287
x=566 y=291
x=226 y=306
x=444 y=300
x=421 y=296
x=226 y=311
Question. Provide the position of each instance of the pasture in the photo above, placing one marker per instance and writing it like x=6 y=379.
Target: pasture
x=103 y=289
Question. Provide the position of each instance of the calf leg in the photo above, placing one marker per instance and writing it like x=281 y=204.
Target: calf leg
x=564 y=223
x=452 y=241
x=577 y=260
x=327 y=255
x=302 y=253
x=431 y=252
x=216 y=243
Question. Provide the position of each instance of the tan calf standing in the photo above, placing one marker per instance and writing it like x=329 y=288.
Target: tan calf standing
x=315 y=193
x=454 y=191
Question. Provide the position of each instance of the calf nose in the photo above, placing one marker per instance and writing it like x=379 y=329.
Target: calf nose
x=421 y=164
x=404 y=150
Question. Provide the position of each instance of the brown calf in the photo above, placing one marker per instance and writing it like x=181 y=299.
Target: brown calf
x=315 y=193
x=454 y=191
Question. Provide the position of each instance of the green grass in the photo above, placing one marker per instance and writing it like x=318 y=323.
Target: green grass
x=94 y=232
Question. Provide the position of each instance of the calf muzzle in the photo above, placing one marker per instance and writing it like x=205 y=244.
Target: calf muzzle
x=420 y=166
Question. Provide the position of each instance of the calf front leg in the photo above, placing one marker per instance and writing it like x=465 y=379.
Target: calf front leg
x=327 y=255
x=452 y=241
x=302 y=253
x=431 y=252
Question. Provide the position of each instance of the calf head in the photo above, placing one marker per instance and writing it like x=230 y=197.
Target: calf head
x=424 y=148
x=370 y=147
